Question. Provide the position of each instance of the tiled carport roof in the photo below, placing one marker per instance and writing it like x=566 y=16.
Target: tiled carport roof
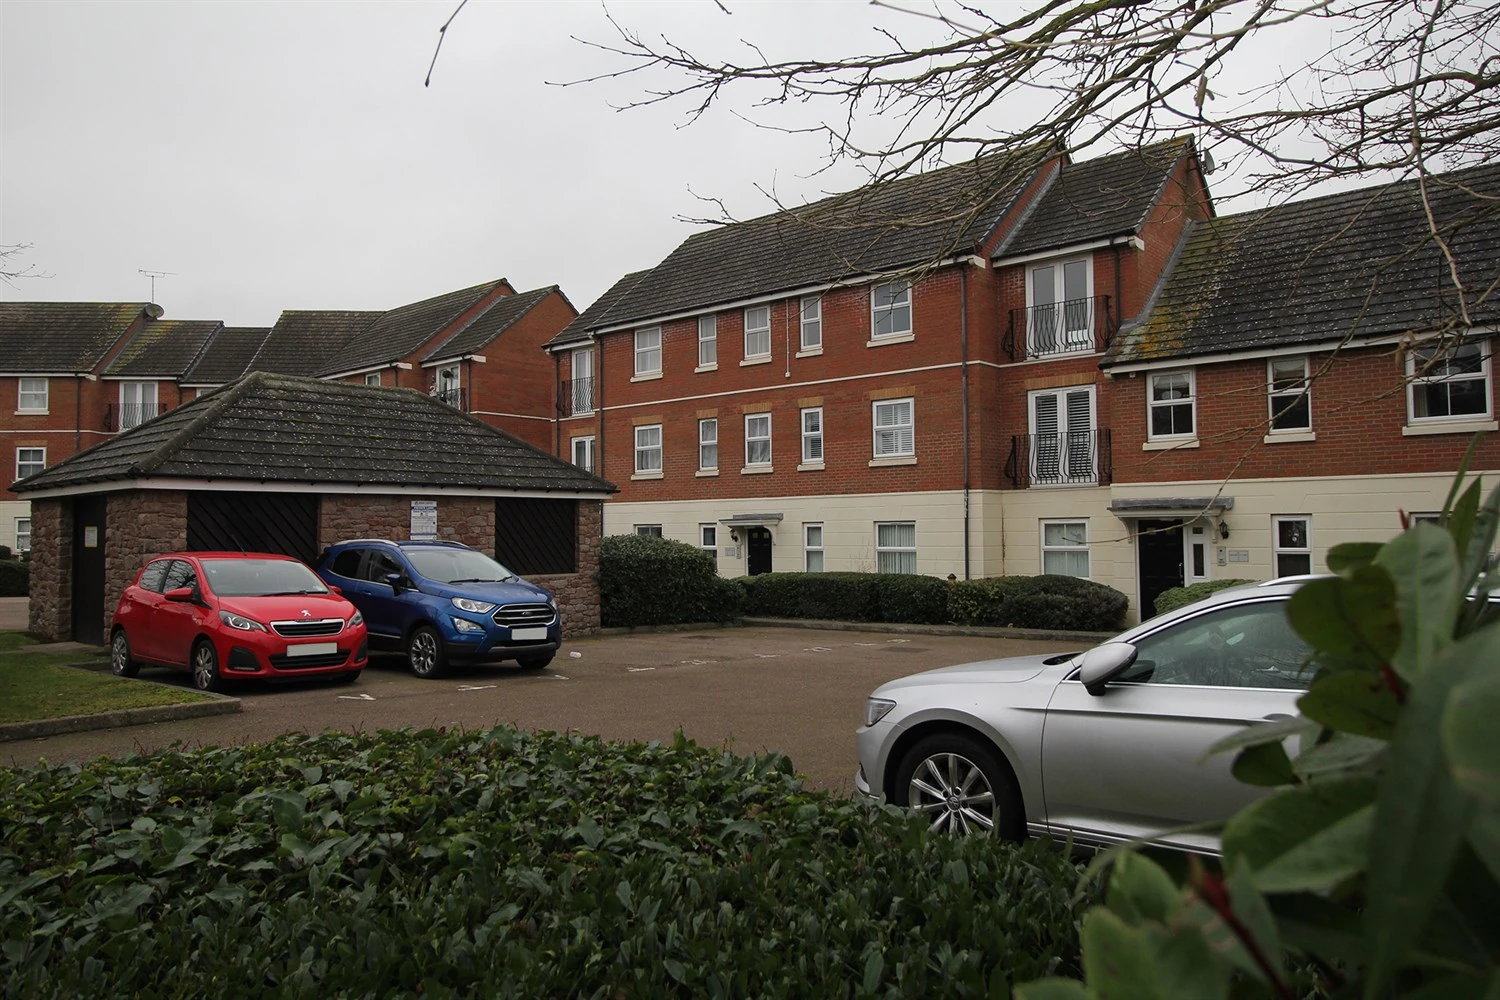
x=490 y=324
x=284 y=429
x=596 y=315
x=1357 y=264
x=304 y=340
x=227 y=355
x=63 y=336
x=163 y=348
x=400 y=331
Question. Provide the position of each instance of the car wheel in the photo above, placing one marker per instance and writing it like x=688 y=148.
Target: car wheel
x=534 y=662
x=961 y=786
x=347 y=677
x=424 y=651
x=120 y=663
x=206 y=676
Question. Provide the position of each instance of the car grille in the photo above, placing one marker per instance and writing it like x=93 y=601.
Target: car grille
x=308 y=627
x=522 y=615
x=310 y=662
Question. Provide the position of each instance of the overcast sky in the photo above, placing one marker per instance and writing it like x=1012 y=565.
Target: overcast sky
x=286 y=155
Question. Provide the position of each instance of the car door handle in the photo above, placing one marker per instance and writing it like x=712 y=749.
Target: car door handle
x=1277 y=717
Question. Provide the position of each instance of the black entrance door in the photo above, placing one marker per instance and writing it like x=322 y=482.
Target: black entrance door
x=758 y=551
x=88 y=569
x=1159 y=551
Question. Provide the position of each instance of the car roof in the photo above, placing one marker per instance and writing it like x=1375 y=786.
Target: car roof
x=226 y=555
x=401 y=543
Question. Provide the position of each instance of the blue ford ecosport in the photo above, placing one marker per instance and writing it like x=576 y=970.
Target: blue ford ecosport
x=442 y=601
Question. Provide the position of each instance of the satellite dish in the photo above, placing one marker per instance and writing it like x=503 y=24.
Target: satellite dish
x=1208 y=163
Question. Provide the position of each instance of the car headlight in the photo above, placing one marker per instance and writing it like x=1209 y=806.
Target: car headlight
x=358 y=619
x=477 y=607
x=241 y=622
x=877 y=709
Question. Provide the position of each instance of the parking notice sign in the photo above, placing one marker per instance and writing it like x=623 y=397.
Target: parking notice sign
x=423 y=520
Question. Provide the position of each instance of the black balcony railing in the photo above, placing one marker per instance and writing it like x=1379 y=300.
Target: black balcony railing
x=575 y=396
x=123 y=416
x=1074 y=458
x=1074 y=326
x=457 y=398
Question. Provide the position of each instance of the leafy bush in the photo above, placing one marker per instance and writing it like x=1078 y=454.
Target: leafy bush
x=1176 y=597
x=1048 y=602
x=645 y=580
x=851 y=597
x=15 y=578
x=454 y=864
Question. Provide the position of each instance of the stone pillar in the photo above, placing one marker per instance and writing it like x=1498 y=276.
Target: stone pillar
x=143 y=524
x=50 y=612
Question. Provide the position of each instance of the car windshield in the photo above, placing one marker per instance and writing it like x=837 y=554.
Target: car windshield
x=445 y=565
x=260 y=578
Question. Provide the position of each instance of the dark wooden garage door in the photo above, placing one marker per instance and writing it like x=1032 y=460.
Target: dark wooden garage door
x=254 y=522
x=536 y=536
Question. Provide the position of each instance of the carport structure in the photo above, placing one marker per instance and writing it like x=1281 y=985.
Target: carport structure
x=277 y=463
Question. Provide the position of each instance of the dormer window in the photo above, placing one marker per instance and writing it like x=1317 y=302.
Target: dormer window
x=1059 y=308
x=447 y=387
x=137 y=403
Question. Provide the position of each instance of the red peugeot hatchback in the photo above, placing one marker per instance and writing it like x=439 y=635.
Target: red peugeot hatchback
x=227 y=615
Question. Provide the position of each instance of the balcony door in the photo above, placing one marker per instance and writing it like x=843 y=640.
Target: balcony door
x=137 y=403
x=583 y=381
x=1063 y=437
x=1060 y=319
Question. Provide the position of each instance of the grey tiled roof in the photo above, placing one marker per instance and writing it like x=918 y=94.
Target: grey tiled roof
x=1356 y=264
x=494 y=321
x=284 y=429
x=1099 y=198
x=62 y=336
x=304 y=340
x=879 y=228
x=401 y=331
x=163 y=348
x=577 y=332
x=227 y=355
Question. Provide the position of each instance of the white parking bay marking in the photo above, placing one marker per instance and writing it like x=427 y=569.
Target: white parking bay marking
x=637 y=670
x=475 y=687
x=356 y=697
x=817 y=649
x=555 y=677
x=696 y=663
x=898 y=640
x=867 y=643
x=766 y=656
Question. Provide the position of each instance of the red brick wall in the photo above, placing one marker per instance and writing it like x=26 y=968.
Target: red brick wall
x=518 y=376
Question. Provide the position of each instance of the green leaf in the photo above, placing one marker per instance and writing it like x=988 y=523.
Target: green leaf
x=1283 y=821
x=675 y=969
x=1460 y=520
x=1250 y=908
x=1424 y=566
x=1261 y=733
x=874 y=969
x=1353 y=617
x=1348 y=556
x=1117 y=959
x=1484 y=840
x=1053 y=989
x=589 y=831
x=1186 y=965
x=1324 y=859
x=1355 y=701
x=1477 y=556
x=1265 y=765
x=1139 y=890
x=1473 y=751
x=1340 y=754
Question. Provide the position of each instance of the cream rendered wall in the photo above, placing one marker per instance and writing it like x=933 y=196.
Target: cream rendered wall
x=9 y=511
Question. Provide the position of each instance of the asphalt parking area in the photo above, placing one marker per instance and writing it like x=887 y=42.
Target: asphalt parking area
x=799 y=691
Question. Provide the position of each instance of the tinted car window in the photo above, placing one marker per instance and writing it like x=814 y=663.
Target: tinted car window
x=381 y=565
x=155 y=573
x=1249 y=645
x=180 y=575
x=346 y=564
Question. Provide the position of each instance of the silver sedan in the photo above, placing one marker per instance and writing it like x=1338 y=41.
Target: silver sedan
x=1103 y=746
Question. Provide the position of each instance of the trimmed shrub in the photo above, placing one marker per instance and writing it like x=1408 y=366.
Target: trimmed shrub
x=1048 y=602
x=848 y=597
x=1177 y=597
x=645 y=580
x=459 y=864
x=920 y=600
x=15 y=578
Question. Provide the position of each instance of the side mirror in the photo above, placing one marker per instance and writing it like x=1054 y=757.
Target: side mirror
x=182 y=595
x=1103 y=664
x=394 y=579
x=335 y=590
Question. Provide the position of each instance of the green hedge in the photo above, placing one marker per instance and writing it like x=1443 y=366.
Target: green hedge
x=1176 y=597
x=857 y=597
x=459 y=864
x=645 y=580
x=1046 y=602
x=15 y=578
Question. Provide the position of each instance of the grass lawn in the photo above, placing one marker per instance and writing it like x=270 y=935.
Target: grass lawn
x=38 y=686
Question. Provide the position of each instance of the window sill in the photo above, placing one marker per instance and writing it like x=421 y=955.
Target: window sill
x=756 y=470
x=706 y=472
x=893 y=460
x=756 y=361
x=1456 y=427
x=43 y=413
x=810 y=467
x=895 y=338
x=646 y=475
x=1286 y=437
x=706 y=368
x=648 y=377
x=809 y=352
x=1191 y=442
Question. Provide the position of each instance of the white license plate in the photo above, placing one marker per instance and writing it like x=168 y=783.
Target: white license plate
x=312 y=648
x=528 y=633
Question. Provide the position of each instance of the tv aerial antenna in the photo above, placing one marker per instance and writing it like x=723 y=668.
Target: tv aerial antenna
x=153 y=275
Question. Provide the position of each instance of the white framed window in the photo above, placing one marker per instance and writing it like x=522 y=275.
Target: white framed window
x=31 y=395
x=758 y=332
x=447 y=385
x=757 y=439
x=649 y=530
x=812 y=436
x=137 y=403
x=1291 y=539
x=23 y=534
x=1290 y=394
x=708 y=443
x=1065 y=548
x=583 y=453
x=1059 y=307
x=890 y=309
x=708 y=341
x=1172 y=405
x=648 y=351
x=708 y=540
x=895 y=428
x=30 y=461
x=581 y=391
x=648 y=449
x=812 y=323
x=895 y=546
x=812 y=547
x=1063 y=442
x=1448 y=383
x=372 y=378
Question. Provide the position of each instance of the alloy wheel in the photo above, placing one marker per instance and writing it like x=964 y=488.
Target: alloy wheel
x=205 y=669
x=423 y=653
x=954 y=792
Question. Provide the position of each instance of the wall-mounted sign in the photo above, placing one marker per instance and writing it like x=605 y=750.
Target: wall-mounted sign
x=423 y=520
x=90 y=537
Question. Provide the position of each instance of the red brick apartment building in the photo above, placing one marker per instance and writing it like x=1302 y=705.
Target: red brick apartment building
x=1014 y=366
x=75 y=374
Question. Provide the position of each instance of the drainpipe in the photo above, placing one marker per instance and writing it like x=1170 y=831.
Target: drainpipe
x=1119 y=306
x=77 y=414
x=963 y=340
x=557 y=406
x=599 y=417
